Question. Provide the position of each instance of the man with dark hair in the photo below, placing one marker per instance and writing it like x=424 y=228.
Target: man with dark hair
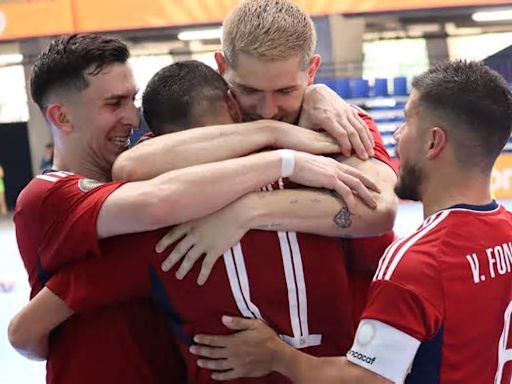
x=191 y=309
x=185 y=95
x=441 y=301
x=85 y=89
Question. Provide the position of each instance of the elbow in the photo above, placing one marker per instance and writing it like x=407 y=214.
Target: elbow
x=20 y=339
x=385 y=214
x=17 y=335
x=125 y=168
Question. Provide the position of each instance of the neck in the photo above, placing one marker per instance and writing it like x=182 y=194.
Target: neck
x=460 y=187
x=64 y=162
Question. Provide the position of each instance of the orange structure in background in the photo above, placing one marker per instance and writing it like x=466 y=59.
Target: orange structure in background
x=501 y=180
x=30 y=18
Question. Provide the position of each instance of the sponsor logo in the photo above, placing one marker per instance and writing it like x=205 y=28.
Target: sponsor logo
x=359 y=356
x=86 y=185
x=365 y=333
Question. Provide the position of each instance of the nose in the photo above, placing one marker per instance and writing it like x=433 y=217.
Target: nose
x=268 y=107
x=132 y=116
x=398 y=133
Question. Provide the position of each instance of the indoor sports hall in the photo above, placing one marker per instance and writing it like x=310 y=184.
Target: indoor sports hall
x=370 y=53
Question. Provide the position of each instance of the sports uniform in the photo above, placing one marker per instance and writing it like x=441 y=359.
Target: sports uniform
x=55 y=221
x=261 y=277
x=441 y=302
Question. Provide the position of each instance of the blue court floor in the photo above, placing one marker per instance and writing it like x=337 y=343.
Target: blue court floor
x=14 y=292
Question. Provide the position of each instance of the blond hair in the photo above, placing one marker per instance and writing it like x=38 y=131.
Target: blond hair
x=268 y=30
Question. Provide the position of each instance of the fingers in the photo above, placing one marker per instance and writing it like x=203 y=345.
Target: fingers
x=171 y=237
x=177 y=253
x=210 y=352
x=220 y=341
x=364 y=133
x=191 y=257
x=354 y=134
x=207 y=267
x=368 y=182
x=215 y=365
x=358 y=188
x=337 y=131
x=239 y=323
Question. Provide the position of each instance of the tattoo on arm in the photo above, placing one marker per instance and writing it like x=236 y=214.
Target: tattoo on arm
x=343 y=218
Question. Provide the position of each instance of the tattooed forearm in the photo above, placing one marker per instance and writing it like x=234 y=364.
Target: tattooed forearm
x=343 y=218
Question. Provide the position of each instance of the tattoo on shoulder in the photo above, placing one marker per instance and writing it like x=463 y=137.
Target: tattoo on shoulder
x=343 y=218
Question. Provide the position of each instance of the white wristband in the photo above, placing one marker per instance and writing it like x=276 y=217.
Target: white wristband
x=287 y=162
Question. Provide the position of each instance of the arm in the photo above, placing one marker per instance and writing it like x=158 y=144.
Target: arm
x=84 y=286
x=29 y=329
x=323 y=109
x=185 y=194
x=298 y=210
x=215 y=143
x=255 y=350
x=323 y=213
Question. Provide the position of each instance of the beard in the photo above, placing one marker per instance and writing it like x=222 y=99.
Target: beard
x=409 y=182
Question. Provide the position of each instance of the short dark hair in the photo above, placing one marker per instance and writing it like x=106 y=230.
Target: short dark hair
x=173 y=93
x=473 y=103
x=63 y=64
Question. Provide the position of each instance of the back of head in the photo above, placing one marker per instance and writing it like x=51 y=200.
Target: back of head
x=64 y=64
x=269 y=30
x=473 y=104
x=179 y=95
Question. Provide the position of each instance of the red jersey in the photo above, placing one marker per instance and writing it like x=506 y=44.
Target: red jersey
x=440 y=305
x=319 y=316
x=363 y=254
x=55 y=222
x=295 y=282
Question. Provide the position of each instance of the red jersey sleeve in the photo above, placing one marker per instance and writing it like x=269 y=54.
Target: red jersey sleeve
x=55 y=220
x=379 y=147
x=407 y=292
x=87 y=285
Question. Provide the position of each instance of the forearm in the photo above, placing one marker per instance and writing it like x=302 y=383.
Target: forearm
x=185 y=194
x=192 y=147
x=29 y=329
x=313 y=211
x=303 y=368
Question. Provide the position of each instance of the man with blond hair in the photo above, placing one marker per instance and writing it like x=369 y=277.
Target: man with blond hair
x=269 y=63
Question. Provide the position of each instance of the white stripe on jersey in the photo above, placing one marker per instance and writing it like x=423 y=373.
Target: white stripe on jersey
x=54 y=176
x=47 y=178
x=295 y=282
x=301 y=284
x=290 y=282
x=244 y=279
x=391 y=254
x=239 y=282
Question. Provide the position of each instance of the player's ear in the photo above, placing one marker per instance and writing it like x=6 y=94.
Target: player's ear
x=436 y=142
x=233 y=108
x=58 y=115
x=221 y=62
x=313 y=66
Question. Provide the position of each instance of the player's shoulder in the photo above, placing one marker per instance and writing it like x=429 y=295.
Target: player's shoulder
x=47 y=183
x=420 y=247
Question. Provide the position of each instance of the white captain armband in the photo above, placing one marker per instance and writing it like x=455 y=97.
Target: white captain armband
x=383 y=350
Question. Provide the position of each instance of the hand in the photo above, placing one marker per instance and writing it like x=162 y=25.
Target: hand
x=247 y=353
x=302 y=139
x=323 y=109
x=324 y=172
x=211 y=236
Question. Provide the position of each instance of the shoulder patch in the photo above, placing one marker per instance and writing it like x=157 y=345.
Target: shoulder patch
x=86 y=185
